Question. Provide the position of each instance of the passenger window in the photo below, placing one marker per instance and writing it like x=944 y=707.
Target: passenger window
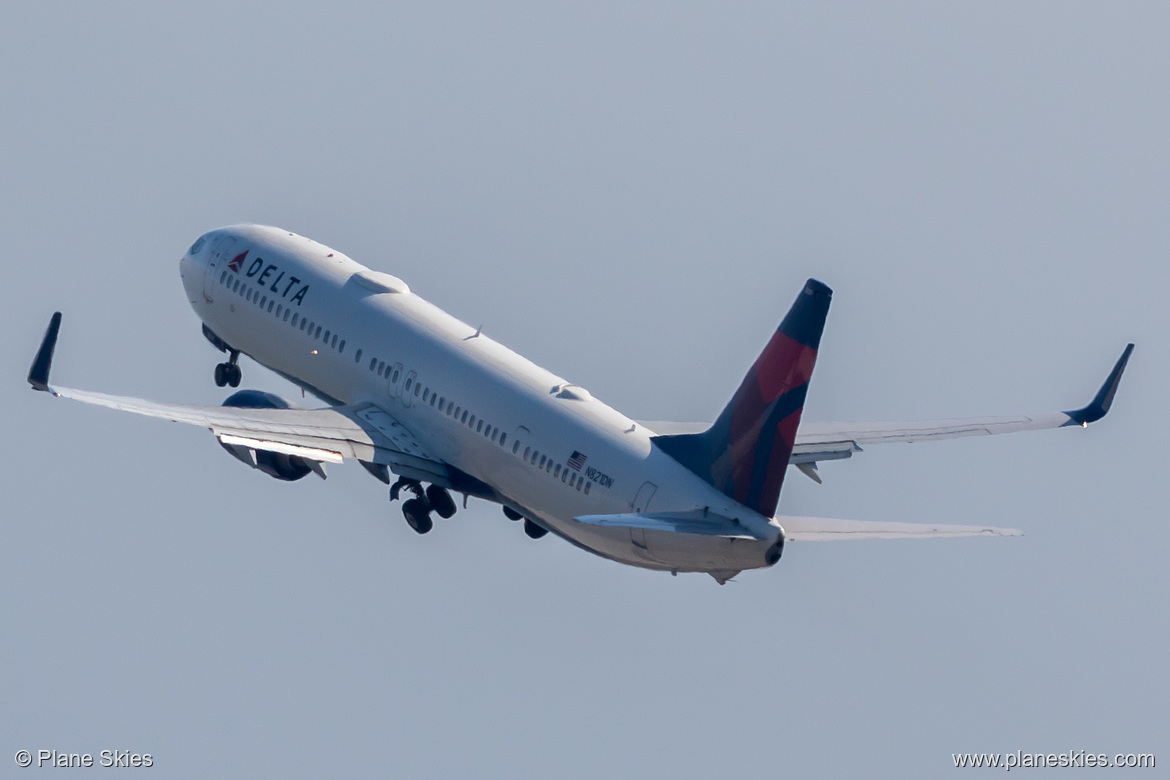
x=417 y=388
x=463 y=419
x=433 y=399
x=579 y=483
x=442 y=403
x=587 y=484
x=515 y=447
x=270 y=304
x=341 y=347
x=222 y=276
x=409 y=381
x=286 y=313
x=357 y=356
x=542 y=460
x=426 y=394
x=317 y=335
x=279 y=311
x=565 y=475
x=326 y=337
x=471 y=422
x=503 y=438
x=395 y=377
x=479 y=427
x=527 y=452
x=295 y=318
x=236 y=286
x=304 y=324
x=334 y=341
x=557 y=471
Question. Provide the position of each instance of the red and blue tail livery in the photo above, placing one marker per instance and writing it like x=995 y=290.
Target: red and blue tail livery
x=745 y=452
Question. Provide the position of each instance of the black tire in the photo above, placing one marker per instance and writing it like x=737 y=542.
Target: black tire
x=533 y=530
x=220 y=375
x=234 y=376
x=417 y=516
x=440 y=501
x=512 y=514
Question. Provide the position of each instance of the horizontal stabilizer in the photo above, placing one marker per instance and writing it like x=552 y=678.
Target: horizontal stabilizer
x=822 y=529
x=698 y=522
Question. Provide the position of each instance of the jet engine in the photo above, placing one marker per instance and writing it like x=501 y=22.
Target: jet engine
x=275 y=464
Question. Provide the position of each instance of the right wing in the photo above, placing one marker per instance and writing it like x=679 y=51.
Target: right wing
x=364 y=432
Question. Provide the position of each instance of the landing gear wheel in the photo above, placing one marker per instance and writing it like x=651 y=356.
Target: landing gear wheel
x=234 y=375
x=220 y=374
x=440 y=501
x=417 y=516
x=533 y=530
x=512 y=514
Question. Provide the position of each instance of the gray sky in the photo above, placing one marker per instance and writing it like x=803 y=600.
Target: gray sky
x=630 y=194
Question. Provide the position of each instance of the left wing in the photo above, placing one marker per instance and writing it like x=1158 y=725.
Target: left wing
x=362 y=432
x=834 y=441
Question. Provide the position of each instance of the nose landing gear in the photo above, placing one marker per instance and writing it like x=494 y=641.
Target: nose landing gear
x=229 y=373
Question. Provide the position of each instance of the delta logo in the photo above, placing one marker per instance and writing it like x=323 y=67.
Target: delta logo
x=268 y=275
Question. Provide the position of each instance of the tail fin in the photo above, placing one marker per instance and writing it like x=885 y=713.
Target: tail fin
x=745 y=452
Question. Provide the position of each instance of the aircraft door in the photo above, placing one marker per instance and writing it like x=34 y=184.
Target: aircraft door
x=408 y=387
x=395 y=376
x=216 y=260
x=519 y=437
x=642 y=500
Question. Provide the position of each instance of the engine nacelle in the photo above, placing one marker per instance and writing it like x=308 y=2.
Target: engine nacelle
x=275 y=464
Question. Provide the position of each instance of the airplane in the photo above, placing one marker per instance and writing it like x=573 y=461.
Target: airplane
x=412 y=392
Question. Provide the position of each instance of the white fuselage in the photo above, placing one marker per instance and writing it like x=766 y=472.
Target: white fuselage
x=352 y=335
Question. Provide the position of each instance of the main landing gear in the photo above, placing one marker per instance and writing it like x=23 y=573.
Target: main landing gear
x=533 y=530
x=417 y=510
x=229 y=373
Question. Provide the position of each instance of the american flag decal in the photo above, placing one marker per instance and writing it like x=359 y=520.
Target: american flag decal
x=577 y=460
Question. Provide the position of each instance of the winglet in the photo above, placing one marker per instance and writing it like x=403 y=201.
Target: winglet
x=38 y=375
x=1104 y=399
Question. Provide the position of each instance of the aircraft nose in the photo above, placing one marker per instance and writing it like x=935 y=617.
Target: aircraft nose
x=193 y=264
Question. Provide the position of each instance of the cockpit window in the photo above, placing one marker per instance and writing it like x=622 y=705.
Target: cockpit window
x=194 y=250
